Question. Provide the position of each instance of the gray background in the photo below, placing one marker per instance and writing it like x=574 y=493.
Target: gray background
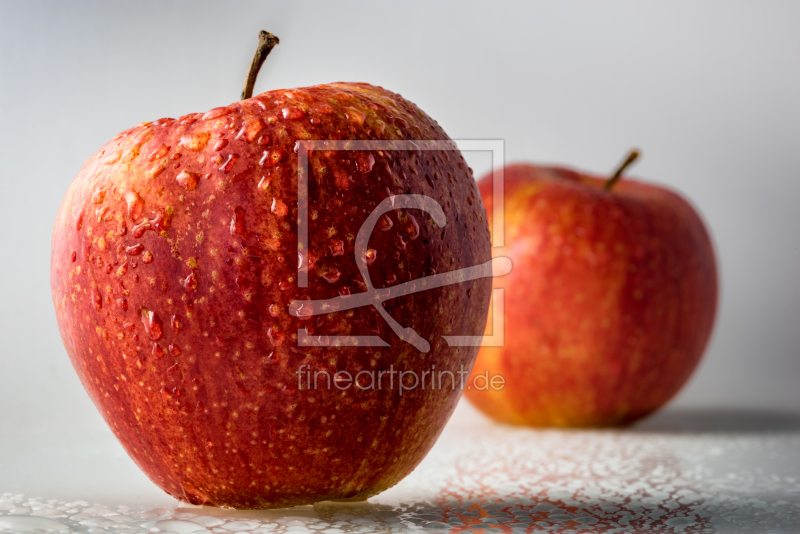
x=710 y=91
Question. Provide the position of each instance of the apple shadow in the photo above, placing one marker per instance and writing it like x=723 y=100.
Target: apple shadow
x=719 y=421
x=524 y=515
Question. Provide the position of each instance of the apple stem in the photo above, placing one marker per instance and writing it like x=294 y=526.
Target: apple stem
x=633 y=155
x=266 y=42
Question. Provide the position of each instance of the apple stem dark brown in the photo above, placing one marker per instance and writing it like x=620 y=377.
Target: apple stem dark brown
x=266 y=42
x=632 y=156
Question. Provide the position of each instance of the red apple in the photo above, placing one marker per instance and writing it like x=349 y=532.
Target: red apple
x=175 y=261
x=610 y=304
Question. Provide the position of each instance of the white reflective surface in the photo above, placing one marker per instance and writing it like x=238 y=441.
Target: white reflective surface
x=681 y=471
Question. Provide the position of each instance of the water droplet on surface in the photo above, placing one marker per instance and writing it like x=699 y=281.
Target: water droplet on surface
x=385 y=223
x=73 y=256
x=175 y=322
x=216 y=113
x=79 y=220
x=337 y=247
x=220 y=143
x=370 y=255
x=99 y=196
x=123 y=303
x=179 y=526
x=157 y=351
x=152 y=324
x=273 y=357
x=190 y=282
x=134 y=250
x=147 y=257
x=331 y=275
x=122 y=269
x=97 y=299
x=241 y=176
x=354 y=115
x=365 y=162
x=195 y=141
x=112 y=158
x=237 y=222
x=399 y=242
x=275 y=337
x=292 y=113
x=270 y=158
x=26 y=523
x=274 y=310
x=188 y=180
x=135 y=205
x=250 y=129
x=175 y=350
x=279 y=208
x=160 y=152
x=412 y=227
x=228 y=164
x=130 y=327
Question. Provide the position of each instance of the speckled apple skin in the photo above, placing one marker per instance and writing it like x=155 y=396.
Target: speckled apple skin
x=174 y=260
x=610 y=303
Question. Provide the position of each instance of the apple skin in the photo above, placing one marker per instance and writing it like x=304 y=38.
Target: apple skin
x=610 y=303
x=174 y=261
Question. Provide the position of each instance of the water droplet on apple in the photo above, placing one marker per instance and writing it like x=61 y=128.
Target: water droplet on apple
x=73 y=256
x=385 y=223
x=220 y=144
x=97 y=299
x=275 y=337
x=337 y=247
x=160 y=152
x=292 y=113
x=273 y=357
x=175 y=350
x=195 y=141
x=370 y=255
x=152 y=324
x=99 y=196
x=331 y=275
x=134 y=250
x=228 y=164
x=237 y=222
x=135 y=205
x=190 y=282
x=157 y=351
x=365 y=162
x=175 y=322
x=188 y=180
x=147 y=257
x=216 y=113
x=412 y=227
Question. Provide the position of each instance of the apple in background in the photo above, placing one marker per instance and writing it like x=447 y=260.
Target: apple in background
x=175 y=260
x=610 y=304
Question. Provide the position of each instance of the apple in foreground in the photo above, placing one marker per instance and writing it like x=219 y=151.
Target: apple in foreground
x=175 y=261
x=610 y=304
